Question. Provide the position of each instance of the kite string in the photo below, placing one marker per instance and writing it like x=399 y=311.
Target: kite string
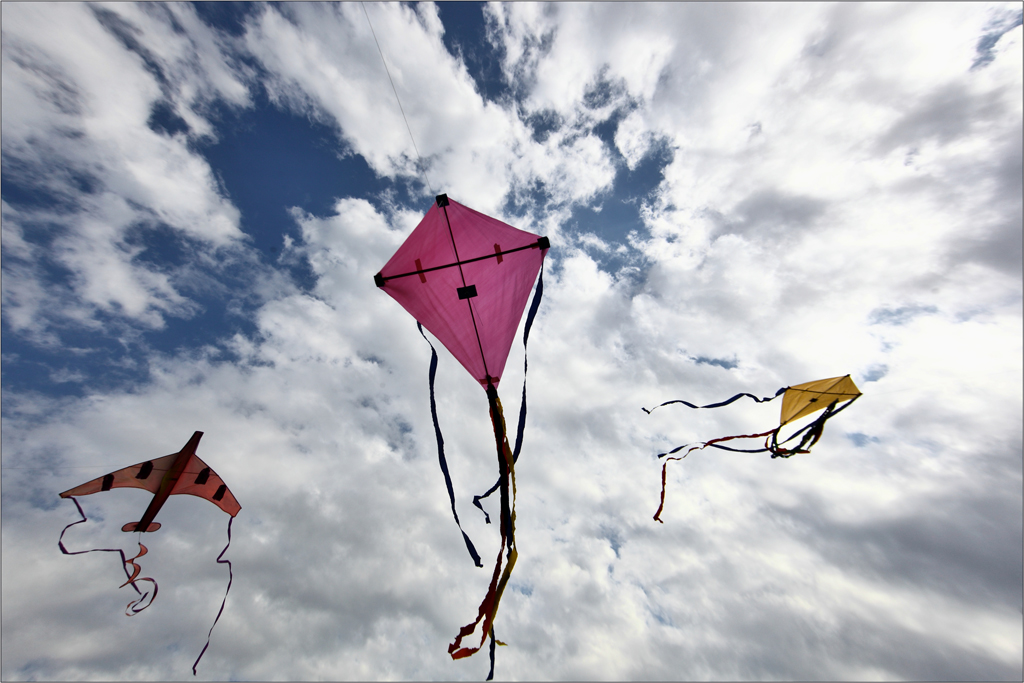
x=420 y=165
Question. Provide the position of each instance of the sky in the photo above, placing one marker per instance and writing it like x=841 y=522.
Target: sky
x=739 y=197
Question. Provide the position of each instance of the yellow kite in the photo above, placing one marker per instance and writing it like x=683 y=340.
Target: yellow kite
x=797 y=401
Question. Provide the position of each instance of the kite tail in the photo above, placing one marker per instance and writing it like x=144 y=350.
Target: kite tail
x=661 y=506
x=508 y=472
x=701 y=446
x=809 y=434
x=490 y=672
x=440 y=450
x=494 y=641
x=534 y=305
x=131 y=579
x=720 y=404
x=489 y=606
x=231 y=577
x=133 y=607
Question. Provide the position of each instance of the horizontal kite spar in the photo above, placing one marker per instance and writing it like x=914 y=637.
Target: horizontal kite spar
x=541 y=243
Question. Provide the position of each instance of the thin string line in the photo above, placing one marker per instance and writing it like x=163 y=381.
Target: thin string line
x=421 y=166
x=95 y=467
x=58 y=467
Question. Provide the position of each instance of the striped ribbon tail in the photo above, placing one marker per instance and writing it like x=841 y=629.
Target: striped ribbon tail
x=700 y=446
x=499 y=578
x=133 y=607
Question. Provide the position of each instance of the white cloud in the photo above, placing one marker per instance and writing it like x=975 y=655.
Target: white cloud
x=790 y=236
x=480 y=148
x=560 y=50
x=76 y=106
x=633 y=139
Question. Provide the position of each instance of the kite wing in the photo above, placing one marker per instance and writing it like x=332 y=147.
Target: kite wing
x=144 y=475
x=804 y=399
x=196 y=479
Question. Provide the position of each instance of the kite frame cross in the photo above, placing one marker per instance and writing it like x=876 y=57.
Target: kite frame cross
x=170 y=479
x=541 y=243
x=467 y=292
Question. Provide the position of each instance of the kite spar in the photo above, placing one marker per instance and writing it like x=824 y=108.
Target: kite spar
x=466 y=277
x=797 y=401
x=178 y=473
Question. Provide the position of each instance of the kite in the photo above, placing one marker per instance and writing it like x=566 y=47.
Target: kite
x=466 y=277
x=797 y=401
x=178 y=473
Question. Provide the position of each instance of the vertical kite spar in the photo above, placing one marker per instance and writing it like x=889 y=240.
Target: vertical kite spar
x=466 y=277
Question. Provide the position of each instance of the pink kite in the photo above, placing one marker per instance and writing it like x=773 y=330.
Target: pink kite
x=466 y=277
x=178 y=473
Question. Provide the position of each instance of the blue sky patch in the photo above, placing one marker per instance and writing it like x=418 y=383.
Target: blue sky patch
x=720 y=362
x=160 y=160
x=861 y=440
x=997 y=28
x=901 y=315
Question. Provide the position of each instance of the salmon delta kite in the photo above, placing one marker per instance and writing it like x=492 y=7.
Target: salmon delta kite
x=467 y=277
x=797 y=401
x=175 y=474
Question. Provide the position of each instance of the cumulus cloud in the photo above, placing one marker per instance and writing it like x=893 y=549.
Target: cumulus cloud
x=840 y=193
x=466 y=142
x=81 y=84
